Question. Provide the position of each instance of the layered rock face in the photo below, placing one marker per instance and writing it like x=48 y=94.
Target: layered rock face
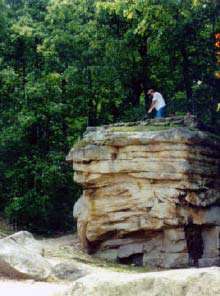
x=151 y=192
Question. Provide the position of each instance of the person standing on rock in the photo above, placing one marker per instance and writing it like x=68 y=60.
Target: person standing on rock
x=158 y=103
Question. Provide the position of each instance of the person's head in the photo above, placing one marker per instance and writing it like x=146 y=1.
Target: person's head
x=151 y=92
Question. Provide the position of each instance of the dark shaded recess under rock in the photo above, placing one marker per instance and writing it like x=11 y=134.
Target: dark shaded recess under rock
x=135 y=259
x=194 y=241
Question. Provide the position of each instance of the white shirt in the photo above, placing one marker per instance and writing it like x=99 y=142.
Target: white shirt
x=160 y=103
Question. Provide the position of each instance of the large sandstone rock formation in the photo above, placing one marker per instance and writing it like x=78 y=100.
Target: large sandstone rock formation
x=143 y=183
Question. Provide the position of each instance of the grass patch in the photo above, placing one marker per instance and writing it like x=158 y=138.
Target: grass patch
x=143 y=128
x=69 y=253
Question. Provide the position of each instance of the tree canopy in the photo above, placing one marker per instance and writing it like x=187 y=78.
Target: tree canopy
x=67 y=64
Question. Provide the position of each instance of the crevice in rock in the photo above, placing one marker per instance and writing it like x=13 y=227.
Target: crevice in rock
x=194 y=241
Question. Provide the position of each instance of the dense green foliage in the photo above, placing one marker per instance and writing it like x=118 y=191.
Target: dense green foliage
x=68 y=63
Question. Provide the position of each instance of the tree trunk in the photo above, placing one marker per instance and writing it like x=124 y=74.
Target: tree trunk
x=136 y=90
x=145 y=65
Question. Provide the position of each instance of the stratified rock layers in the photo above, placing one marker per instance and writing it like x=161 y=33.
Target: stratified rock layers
x=141 y=188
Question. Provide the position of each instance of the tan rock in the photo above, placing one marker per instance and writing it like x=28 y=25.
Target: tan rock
x=142 y=187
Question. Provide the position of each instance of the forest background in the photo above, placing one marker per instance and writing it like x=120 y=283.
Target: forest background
x=66 y=64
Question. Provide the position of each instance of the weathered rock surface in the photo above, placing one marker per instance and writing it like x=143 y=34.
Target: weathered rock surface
x=21 y=257
x=188 y=282
x=142 y=184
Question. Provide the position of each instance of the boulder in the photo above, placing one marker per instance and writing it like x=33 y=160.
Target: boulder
x=188 y=282
x=26 y=240
x=142 y=184
x=21 y=257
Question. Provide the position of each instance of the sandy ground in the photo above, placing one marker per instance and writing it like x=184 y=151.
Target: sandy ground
x=30 y=288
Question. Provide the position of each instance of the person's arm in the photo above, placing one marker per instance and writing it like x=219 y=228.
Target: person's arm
x=152 y=106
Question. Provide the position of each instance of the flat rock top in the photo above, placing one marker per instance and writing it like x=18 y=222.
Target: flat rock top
x=155 y=124
x=187 y=130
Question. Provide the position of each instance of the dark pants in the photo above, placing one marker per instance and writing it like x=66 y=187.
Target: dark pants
x=160 y=113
